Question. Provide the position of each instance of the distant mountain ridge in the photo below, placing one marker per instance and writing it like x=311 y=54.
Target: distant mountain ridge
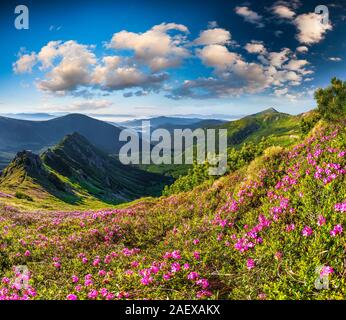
x=171 y=123
x=35 y=135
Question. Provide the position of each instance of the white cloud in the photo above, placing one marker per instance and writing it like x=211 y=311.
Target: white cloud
x=302 y=49
x=250 y=16
x=213 y=36
x=155 y=47
x=233 y=76
x=72 y=71
x=255 y=47
x=283 y=11
x=277 y=59
x=296 y=65
x=310 y=27
x=335 y=59
x=280 y=92
x=25 y=63
x=111 y=75
x=217 y=56
x=93 y=105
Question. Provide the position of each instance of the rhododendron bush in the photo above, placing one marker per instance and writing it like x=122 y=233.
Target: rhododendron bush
x=258 y=233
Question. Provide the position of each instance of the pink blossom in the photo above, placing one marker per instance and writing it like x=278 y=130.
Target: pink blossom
x=341 y=207
x=307 y=231
x=193 y=275
x=78 y=288
x=93 y=294
x=102 y=273
x=290 y=227
x=321 y=220
x=167 y=276
x=197 y=255
x=204 y=283
x=96 y=262
x=146 y=280
x=186 y=266
x=336 y=230
x=326 y=270
x=203 y=294
x=250 y=264
x=175 y=267
x=71 y=297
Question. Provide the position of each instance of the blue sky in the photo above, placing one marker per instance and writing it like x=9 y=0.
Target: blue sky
x=145 y=58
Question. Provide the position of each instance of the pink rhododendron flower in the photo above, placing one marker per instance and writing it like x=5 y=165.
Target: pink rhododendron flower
x=193 y=275
x=203 y=294
x=93 y=294
x=321 y=220
x=102 y=273
x=204 y=283
x=186 y=266
x=146 y=280
x=307 y=231
x=72 y=297
x=336 y=230
x=290 y=227
x=341 y=207
x=250 y=264
x=175 y=267
x=326 y=270
x=197 y=255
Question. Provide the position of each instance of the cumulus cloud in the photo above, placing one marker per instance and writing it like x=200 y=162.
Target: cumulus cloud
x=255 y=47
x=233 y=75
x=72 y=71
x=155 y=47
x=250 y=16
x=73 y=68
x=296 y=65
x=213 y=36
x=69 y=67
x=111 y=75
x=302 y=49
x=25 y=63
x=217 y=56
x=277 y=59
x=310 y=27
x=283 y=11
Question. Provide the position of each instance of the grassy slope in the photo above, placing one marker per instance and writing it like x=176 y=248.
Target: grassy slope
x=85 y=178
x=250 y=209
x=277 y=128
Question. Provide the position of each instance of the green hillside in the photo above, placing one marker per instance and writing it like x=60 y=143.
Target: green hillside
x=271 y=126
x=74 y=174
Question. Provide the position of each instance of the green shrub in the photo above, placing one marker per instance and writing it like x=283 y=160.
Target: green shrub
x=331 y=101
x=23 y=196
